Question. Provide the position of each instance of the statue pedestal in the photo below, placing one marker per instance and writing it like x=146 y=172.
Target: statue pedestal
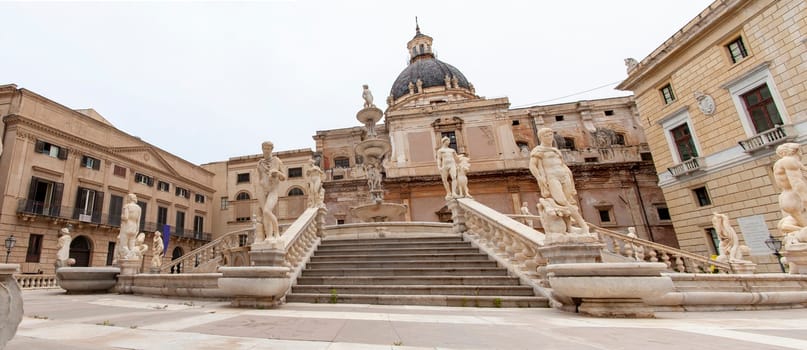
x=611 y=290
x=571 y=248
x=268 y=253
x=10 y=303
x=796 y=256
x=129 y=266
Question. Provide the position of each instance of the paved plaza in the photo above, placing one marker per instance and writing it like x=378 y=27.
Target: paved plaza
x=54 y=320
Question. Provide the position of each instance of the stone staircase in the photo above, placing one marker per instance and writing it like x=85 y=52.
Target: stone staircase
x=433 y=270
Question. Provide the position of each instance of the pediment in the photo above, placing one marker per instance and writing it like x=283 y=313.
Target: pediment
x=146 y=156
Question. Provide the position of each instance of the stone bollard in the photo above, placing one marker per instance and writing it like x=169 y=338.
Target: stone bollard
x=10 y=303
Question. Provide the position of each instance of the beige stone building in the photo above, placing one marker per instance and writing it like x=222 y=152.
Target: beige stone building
x=715 y=99
x=602 y=141
x=62 y=167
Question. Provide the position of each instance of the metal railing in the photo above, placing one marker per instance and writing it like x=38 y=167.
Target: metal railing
x=686 y=167
x=768 y=138
x=643 y=250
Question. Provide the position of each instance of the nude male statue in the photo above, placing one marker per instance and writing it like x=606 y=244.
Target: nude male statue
x=129 y=227
x=270 y=173
x=447 y=165
x=788 y=173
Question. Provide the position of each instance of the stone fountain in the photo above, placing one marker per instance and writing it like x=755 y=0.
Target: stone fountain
x=373 y=149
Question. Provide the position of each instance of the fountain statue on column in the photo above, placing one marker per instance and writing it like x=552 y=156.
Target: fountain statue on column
x=373 y=150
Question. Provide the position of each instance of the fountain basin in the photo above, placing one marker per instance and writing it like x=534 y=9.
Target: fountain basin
x=379 y=212
x=375 y=148
x=369 y=114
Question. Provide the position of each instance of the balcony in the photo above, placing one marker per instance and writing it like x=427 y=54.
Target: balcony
x=30 y=210
x=686 y=167
x=768 y=138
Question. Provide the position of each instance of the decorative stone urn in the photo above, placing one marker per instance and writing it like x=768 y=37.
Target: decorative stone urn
x=81 y=280
x=10 y=303
x=612 y=289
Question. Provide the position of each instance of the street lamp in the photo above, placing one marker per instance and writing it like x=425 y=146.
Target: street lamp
x=775 y=244
x=10 y=242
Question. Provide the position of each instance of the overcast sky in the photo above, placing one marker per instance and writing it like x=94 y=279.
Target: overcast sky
x=208 y=81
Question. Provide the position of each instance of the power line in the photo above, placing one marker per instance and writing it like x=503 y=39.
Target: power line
x=574 y=94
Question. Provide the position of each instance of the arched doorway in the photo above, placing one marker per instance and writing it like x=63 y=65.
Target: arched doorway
x=81 y=250
x=176 y=254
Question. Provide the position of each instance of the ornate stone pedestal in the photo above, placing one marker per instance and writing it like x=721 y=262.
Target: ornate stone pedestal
x=129 y=266
x=611 y=290
x=260 y=286
x=571 y=249
x=743 y=267
x=10 y=303
x=796 y=256
x=80 y=280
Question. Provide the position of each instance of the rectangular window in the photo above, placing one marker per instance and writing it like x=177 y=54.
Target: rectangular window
x=663 y=213
x=558 y=118
x=760 y=106
x=34 y=248
x=199 y=198
x=119 y=171
x=181 y=192
x=667 y=94
x=712 y=241
x=340 y=221
x=50 y=149
x=110 y=253
x=619 y=139
x=163 y=186
x=342 y=162
x=737 y=50
x=568 y=143
x=225 y=203
x=144 y=179
x=44 y=197
x=295 y=172
x=242 y=178
x=452 y=139
x=605 y=215
x=90 y=163
x=646 y=156
x=198 y=224
x=591 y=159
x=115 y=209
x=684 y=142
x=162 y=217
x=88 y=205
x=702 y=195
x=609 y=112
x=180 y=223
x=338 y=177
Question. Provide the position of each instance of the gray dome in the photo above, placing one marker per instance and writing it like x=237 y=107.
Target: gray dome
x=431 y=72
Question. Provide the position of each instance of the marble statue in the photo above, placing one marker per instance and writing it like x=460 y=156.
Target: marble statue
x=471 y=87
x=63 y=249
x=525 y=210
x=367 y=96
x=129 y=227
x=555 y=179
x=788 y=173
x=140 y=244
x=463 y=166
x=390 y=100
x=447 y=81
x=411 y=88
x=447 y=165
x=157 y=250
x=270 y=174
x=630 y=64
x=316 y=194
x=455 y=83
x=729 y=247
x=419 y=85
x=554 y=218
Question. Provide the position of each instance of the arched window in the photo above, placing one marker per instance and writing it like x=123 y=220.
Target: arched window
x=296 y=192
x=242 y=196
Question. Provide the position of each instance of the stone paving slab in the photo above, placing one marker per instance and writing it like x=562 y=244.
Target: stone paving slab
x=55 y=320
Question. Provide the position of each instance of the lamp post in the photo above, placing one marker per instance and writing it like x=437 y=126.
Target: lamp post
x=10 y=242
x=775 y=244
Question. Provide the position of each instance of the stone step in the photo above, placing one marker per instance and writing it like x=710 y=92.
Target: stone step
x=401 y=257
x=409 y=280
x=392 y=240
x=458 y=271
x=415 y=290
x=433 y=245
x=432 y=300
x=396 y=251
x=399 y=264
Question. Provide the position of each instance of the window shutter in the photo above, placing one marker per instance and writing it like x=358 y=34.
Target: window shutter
x=62 y=153
x=99 y=204
x=39 y=147
x=150 y=181
x=56 y=202
x=80 y=202
x=29 y=204
x=96 y=164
